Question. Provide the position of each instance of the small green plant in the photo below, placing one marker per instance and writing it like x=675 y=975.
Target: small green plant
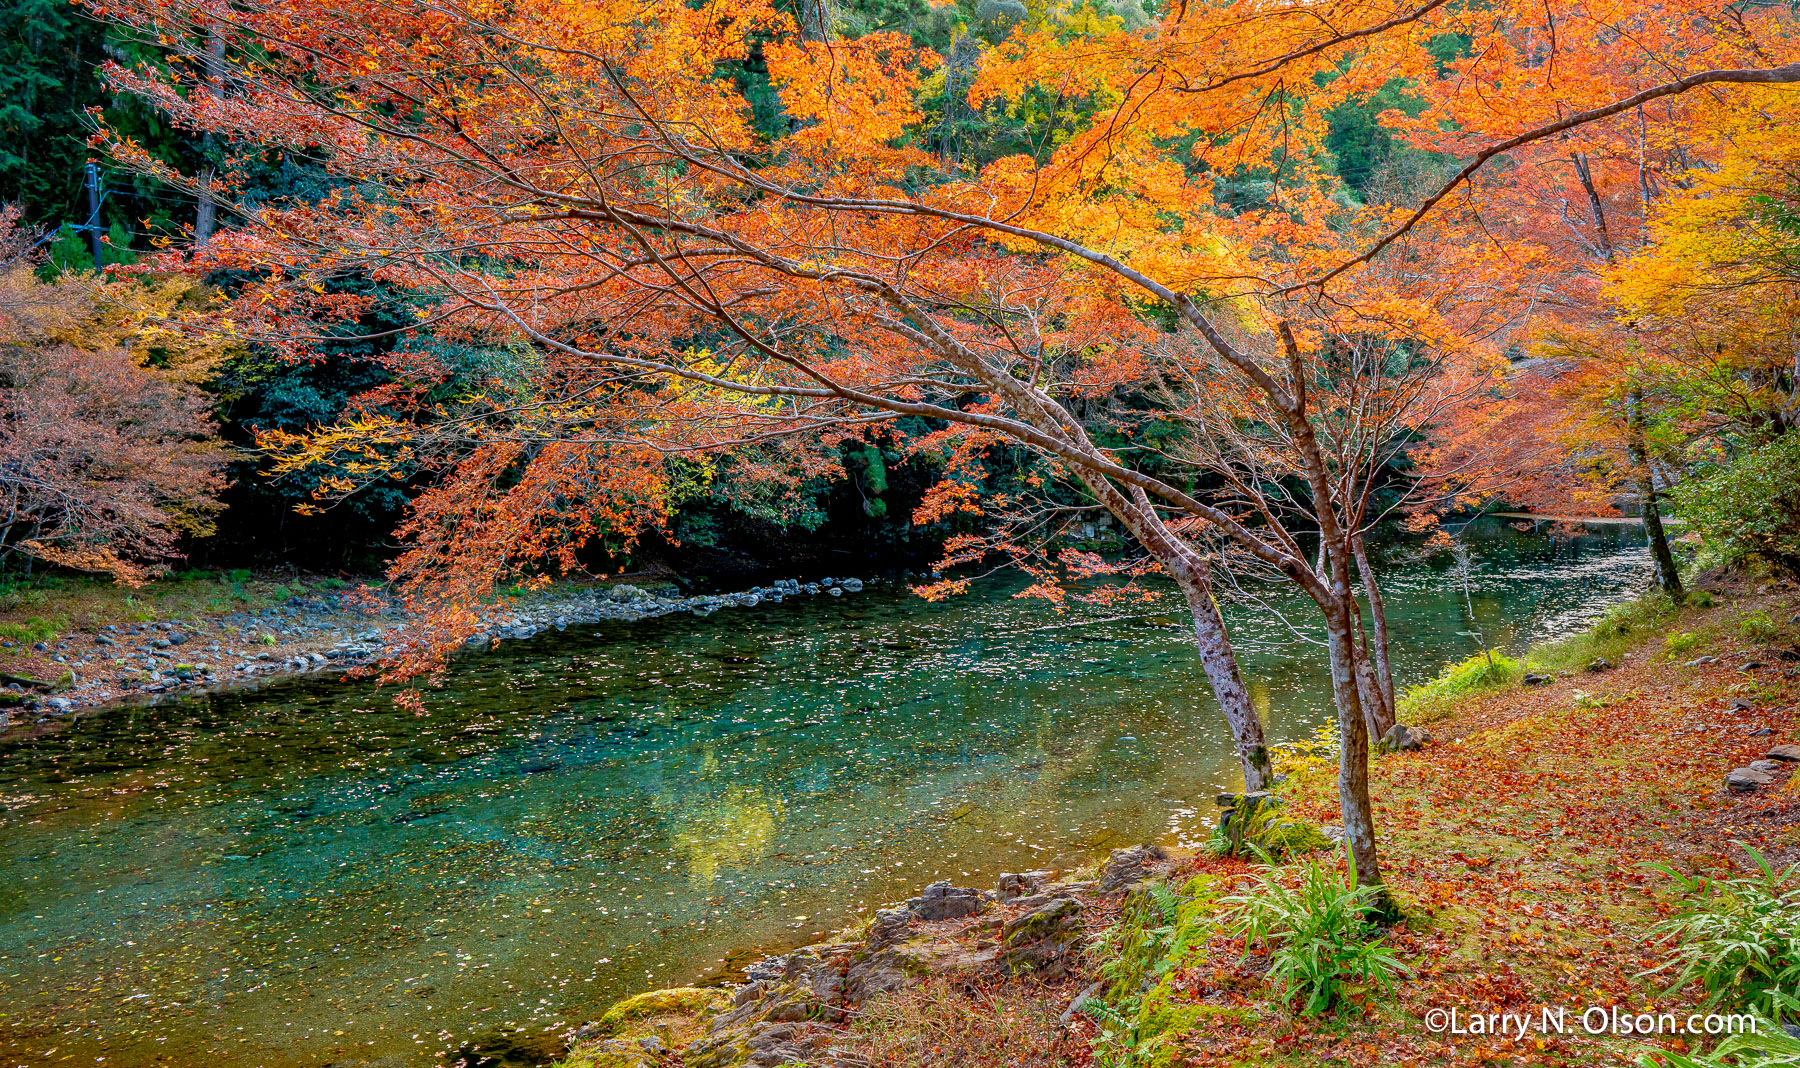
x=280 y=592
x=267 y=639
x=1738 y=938
x=1758 y=627
x=1682 y=643
x=239 y=576
x=1699 y=599
x=1483 y=671
x=331 y=584
x=1319 y=936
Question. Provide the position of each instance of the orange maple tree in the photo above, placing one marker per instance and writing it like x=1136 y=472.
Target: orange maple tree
x=585 y=179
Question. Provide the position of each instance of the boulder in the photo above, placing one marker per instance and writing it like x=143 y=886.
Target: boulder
x=1401 y=737
x=1787 y=752
x=1770 y=766
x=941 y=901
x=1015 y=885
x=1127 y=866
x=1744 y=780
x=890 y=926
x=1042 y=941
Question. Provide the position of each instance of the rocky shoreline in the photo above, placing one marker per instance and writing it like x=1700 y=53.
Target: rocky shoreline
x=324 y=633
x=792 y=1008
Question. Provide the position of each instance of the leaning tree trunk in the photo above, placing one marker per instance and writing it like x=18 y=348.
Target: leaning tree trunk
x=1189 y=571
x=1220 y=662
x=1666 y=574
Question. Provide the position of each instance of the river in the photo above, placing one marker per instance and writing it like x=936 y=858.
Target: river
x=303 y=875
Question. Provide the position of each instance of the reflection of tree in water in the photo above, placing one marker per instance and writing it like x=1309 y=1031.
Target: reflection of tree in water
x=731 y=830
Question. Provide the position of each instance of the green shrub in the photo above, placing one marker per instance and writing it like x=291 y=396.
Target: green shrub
x=1483 y=671
x=1751 y=507
x=1758 y=627
x=1678 y=644
x=1318 y=935
x=239 y=576
x=1738 y=938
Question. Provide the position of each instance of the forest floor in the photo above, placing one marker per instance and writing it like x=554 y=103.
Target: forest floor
x=1519 y=843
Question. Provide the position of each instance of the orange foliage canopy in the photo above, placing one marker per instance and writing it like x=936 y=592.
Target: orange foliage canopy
x=584 y=179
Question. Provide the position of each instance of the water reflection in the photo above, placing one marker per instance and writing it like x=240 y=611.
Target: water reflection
x=305 y=875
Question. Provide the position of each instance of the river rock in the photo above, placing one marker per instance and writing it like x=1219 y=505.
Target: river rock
x=1701 y=661
x=1770 y=766
x=1600 y=663
x=941 y=901
x=1537 y=680
x=1015 y=885
x=890 y=927
x=1740 y=704
x=1762 y=732
x=852 y=585
x=1744 y=780
x=1127 y=866
x=1787 y=752
x=1401 y=737
x=1042 y=940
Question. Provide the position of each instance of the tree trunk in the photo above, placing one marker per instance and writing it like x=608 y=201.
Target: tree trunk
x=1220 y=662
x=1353 y=755
x=206 y=212
x=1384 y=673
x=1368 y=690
x=1217 y=657
x=1666 y=574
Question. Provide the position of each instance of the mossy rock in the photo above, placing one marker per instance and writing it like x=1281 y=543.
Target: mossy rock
x=1291 y=837
x=610 y=1053
x=674 y=1001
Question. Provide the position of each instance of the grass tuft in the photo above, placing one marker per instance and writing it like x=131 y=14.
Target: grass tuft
x=1434 y=700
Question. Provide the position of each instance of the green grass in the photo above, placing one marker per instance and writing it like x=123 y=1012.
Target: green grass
x=1433 y=700
x=35 y=629
x=1623 y=628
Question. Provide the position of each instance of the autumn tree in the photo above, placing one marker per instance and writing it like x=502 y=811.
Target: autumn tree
x=106 y=462
x=581 y=179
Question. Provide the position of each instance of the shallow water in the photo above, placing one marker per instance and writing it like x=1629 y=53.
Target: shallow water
x=303 y=875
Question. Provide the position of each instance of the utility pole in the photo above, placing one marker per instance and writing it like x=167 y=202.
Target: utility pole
x=93 y=223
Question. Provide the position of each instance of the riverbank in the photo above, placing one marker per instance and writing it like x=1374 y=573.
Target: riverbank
x=82 y=645
x=1519 y=844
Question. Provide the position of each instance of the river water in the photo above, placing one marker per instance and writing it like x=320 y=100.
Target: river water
x=303 y=875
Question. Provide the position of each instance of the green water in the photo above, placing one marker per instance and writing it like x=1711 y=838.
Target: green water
x=303 y=875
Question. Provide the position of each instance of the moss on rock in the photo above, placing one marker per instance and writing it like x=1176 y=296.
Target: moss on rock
x=690 y=1002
